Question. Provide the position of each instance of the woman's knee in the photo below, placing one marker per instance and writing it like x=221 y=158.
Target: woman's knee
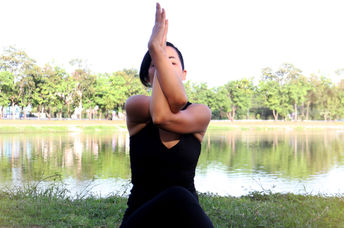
x=178 y=195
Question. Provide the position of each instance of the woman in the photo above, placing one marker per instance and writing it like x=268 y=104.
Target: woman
x=165 y=141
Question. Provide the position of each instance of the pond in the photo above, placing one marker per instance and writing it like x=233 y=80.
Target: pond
x=232 y=162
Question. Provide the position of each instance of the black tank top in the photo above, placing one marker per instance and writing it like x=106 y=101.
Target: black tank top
x=154 y=167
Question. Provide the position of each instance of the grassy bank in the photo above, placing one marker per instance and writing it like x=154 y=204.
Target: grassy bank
x=51 y=207
x=24 y=126
x=27 y=126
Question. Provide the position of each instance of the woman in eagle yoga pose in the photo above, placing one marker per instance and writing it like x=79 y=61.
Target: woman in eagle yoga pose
x=165 y=141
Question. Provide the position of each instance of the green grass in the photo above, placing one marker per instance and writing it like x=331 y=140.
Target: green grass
x=221 y=127
x=103 y=128
x=33 y=206
x=30 y=129
x=40 y=129
x=260 y=209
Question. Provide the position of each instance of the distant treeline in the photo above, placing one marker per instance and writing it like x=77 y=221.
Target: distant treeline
x=283 y=93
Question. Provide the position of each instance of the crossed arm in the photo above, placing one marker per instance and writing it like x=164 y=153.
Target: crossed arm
x=168 y=98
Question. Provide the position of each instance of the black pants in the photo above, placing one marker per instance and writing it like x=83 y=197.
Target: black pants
x=174 y=207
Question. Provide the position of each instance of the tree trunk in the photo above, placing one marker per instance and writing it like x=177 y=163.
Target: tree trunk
x=233 y=112
x=303 y=111
x=295 y=111
x=48 y=113
x=13 y=111
x=39 y=112
x=24 y=114
x=275 y=114
x=307 y=110
x=1 y=112
x=68 y=110
x=80 y=105
x=42 y=110
x=229 y=115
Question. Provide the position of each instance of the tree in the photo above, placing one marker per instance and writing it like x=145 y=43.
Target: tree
x=104 y=96
x=53 y=79
x=222 y=103
x=311 y=97
x=84 y=94
x=201 y=94
x=340 y=93
x=275 y=90
x=240 y=94
x=6 y=89
x=296 y=83
x=65 y=91
x=112 y=91
x=20 y=65
x=125 y=84
x=325 y=98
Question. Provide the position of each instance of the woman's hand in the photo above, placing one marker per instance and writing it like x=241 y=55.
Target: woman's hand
x=159 y=33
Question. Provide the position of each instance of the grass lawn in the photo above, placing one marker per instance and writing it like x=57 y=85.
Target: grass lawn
x=31 y=207
x=14 y=126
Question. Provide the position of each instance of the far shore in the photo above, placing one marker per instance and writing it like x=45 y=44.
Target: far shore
x=214 y=124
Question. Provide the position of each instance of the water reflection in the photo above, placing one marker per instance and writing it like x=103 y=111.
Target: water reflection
x=280 y=161
x=77 y=155
x=231 y=162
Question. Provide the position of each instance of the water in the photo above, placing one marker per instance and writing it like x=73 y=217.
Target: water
x=231 y=163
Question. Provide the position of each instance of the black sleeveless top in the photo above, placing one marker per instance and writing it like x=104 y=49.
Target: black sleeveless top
x=154 y=167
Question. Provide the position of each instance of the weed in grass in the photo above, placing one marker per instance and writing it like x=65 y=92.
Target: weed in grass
x=50 y=205
x=34 y=205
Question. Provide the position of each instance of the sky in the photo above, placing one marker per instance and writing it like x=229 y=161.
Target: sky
x=221 y=40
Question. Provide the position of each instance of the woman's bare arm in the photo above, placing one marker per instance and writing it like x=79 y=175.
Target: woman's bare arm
x=194 y=119
x=170 y=82
x=168 y=96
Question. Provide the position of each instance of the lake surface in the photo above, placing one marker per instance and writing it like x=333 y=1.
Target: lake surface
x=231 y=163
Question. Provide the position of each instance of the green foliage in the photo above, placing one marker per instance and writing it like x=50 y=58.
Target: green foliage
x=240 y=94
x=6 y=87
x=284 y=93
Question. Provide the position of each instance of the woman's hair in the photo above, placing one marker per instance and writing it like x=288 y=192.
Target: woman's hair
x=147 y=59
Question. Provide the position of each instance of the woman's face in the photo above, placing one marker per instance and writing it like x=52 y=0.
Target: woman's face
x=177 y=65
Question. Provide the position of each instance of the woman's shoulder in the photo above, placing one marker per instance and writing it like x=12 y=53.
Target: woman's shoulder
x=136 y=100
x=137 y=110
x=136 y=103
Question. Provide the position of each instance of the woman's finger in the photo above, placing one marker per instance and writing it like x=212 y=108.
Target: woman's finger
x=164 y=39
x=157 y=13
x=163 y=15
x=159 y=33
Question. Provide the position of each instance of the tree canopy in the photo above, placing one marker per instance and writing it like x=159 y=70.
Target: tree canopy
x=280 y=94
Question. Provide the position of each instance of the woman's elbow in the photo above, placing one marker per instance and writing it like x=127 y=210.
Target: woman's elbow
x=158 y=119
x=179 y=104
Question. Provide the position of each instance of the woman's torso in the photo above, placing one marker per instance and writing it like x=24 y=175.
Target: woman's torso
x=157 y=165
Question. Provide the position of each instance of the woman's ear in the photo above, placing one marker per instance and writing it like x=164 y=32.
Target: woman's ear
x=184 y=75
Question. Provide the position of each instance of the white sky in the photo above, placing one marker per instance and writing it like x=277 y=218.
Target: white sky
x=220 y=40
